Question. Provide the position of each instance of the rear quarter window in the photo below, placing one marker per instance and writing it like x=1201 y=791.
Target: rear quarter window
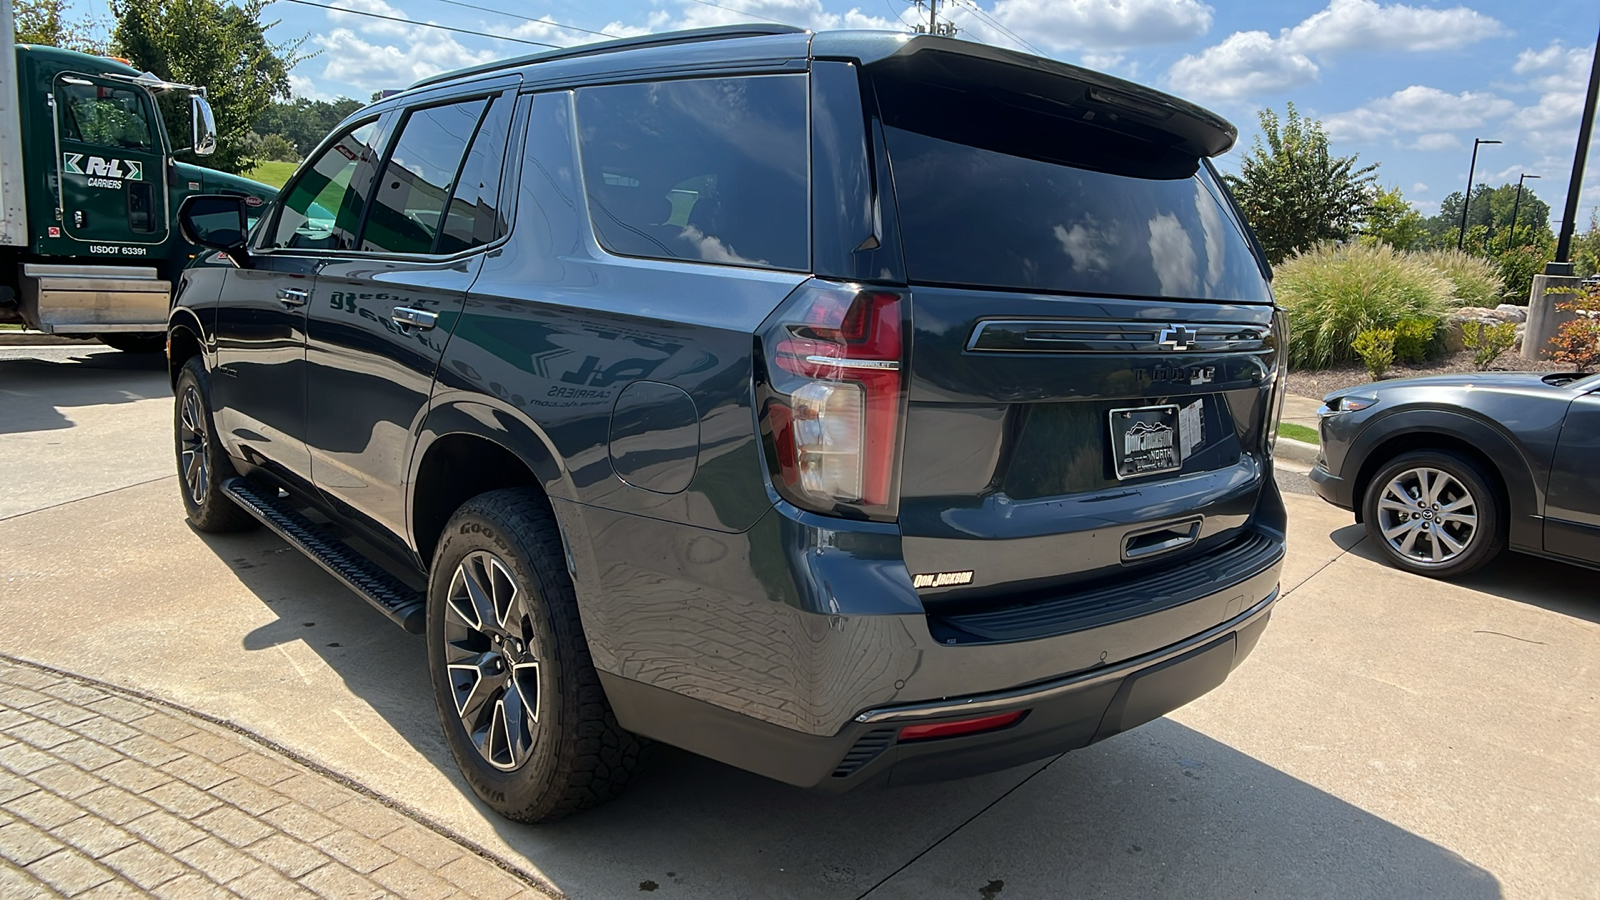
x=711 y=170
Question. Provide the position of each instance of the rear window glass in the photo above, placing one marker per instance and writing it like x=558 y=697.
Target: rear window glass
x=711 y=170
x=1013 y=214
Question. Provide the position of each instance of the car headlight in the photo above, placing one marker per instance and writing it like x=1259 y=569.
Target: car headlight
x=1346 y=404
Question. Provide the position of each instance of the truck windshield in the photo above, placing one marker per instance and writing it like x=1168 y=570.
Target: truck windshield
x=104 y=116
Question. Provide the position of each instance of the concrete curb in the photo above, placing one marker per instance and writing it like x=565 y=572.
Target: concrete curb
x=1298 y=451
x=36 y=339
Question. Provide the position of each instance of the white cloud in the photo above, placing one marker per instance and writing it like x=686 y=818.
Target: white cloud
x=370 y=66
x=1559 y=73
x=1254 y=63
x=1418 y=109
x=368 y=24
x=1434 y=140
x=1245 y=64
x=802 y=13
x=1103 y=24
x=1348 y=25
x=1419 y=188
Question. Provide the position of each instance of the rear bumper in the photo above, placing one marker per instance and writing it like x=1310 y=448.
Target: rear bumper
x=1062 y=714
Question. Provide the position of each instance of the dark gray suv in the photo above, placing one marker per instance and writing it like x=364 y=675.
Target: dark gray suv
x=845 y=407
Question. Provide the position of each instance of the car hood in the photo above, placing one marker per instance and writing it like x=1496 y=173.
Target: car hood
x=1554 y=381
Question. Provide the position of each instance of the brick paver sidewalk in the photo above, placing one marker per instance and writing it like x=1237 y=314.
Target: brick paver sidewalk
x=105 y=795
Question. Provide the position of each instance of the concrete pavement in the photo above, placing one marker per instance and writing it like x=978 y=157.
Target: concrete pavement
x=1391 y=736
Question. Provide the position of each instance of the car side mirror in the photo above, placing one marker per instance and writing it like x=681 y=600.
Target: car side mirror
x=216 y=221
x=202 y=126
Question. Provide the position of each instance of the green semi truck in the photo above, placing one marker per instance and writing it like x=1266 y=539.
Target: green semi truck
x=89 y=183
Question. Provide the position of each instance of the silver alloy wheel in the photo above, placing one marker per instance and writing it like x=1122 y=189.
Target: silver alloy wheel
x=193 y=464
x=1427 y=516
x=490 y=656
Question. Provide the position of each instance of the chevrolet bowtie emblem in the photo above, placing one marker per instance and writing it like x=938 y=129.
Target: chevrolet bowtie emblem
x=1177 y=337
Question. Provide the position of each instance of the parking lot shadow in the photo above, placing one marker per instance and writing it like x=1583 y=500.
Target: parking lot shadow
x=1545 y=583
x=1161 y=811
x=35 y=390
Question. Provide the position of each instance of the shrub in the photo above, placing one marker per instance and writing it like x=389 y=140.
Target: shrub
x=1487 y=342
x=1414 y=339
x=1577 y=343
x=1475 y=281
x=1333 y=293
x=1518 y=265
x=1375 y=346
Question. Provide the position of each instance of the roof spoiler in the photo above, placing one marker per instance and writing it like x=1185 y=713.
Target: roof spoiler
x=1067 y=89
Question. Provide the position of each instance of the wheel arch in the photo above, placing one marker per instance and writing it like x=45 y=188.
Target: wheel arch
x=183 y=343
x=467 y=448
x=1487 y=446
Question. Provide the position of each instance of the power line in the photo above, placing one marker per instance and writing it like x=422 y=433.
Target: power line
x=741 y=12
x=372 y=15
x=501 y=12
x=996 y=23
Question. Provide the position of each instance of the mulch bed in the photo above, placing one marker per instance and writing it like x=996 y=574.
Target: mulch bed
x=1317 y=383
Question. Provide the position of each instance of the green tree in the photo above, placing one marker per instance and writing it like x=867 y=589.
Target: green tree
x=1394 y=221
x=1294 y=192
x=222 y=47
x=1490 y=209
x=1586 y=248
x=304 y=122
x=44 y=22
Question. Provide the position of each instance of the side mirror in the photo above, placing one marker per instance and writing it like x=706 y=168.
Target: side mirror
x=202 y=126
x=216 y=221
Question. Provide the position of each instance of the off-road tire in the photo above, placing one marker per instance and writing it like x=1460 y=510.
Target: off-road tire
x=579 y=755
x=1488 y=536
x=207 y=507
x=134 y=342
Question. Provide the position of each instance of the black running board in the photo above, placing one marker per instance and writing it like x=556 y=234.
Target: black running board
x=408 y=608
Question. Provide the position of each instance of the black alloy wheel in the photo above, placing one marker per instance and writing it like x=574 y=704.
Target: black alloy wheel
x=518 y=696
x=202 y=463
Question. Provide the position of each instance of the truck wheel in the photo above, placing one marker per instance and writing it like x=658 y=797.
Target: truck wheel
x=135 y=342
x=1434 y=513
x=202 y=464
x=522 y=708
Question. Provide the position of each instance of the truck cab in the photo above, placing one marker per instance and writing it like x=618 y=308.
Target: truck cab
x=89 y=181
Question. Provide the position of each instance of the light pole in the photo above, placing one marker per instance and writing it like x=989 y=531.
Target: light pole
x=1562 y=264
x=1516 y=203
x=1466 y=201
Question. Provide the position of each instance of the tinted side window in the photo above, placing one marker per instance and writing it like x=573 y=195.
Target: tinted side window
x=408 y=207
x=473 y=218
x=315 y=214
x=711 y=170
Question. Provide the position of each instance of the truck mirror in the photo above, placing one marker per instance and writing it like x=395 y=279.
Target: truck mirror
x=203 y=126
x=216 y=221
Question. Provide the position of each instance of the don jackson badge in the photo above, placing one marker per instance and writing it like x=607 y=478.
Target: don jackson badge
x=941 y=579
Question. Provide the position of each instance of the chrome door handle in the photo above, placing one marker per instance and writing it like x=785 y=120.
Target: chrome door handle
x=421 y=319
x=292 y=297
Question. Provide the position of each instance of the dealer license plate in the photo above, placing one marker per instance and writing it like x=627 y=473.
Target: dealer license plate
x=1145 y=441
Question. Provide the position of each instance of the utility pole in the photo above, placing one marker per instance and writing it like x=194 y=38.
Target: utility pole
x=934 y=26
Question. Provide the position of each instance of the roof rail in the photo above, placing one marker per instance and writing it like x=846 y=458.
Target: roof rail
x=690 y=36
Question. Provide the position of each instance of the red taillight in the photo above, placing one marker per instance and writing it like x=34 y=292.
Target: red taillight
x=835 y=413
x=964 y=726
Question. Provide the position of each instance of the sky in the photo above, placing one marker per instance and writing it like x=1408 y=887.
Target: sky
x=1405 y=85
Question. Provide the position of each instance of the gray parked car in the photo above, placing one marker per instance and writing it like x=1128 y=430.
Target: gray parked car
x=1448 y=471
x=846 y=407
